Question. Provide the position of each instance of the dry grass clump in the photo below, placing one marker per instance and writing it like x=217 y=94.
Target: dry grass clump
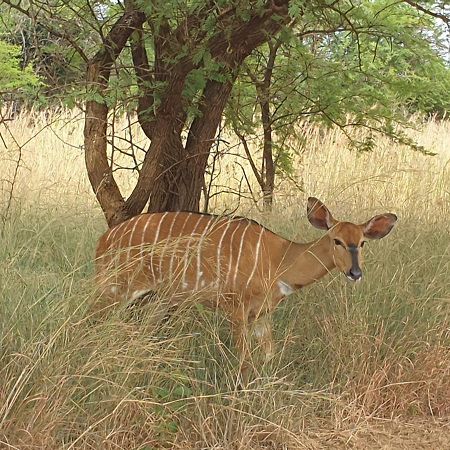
x=359 y=367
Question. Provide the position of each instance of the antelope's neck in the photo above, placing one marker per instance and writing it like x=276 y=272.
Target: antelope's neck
x=305 y=263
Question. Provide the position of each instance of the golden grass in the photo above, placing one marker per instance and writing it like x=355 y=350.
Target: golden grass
x=358 y=367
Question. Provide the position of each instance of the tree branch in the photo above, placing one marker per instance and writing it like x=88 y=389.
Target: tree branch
x=95 y=128
x=244 y=37
x=255 y=170
x=427 y=11
x=144 y=78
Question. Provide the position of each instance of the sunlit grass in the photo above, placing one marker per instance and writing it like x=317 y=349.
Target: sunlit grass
x=365 y=366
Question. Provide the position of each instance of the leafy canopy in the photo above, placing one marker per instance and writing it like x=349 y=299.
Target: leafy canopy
x=369 y=64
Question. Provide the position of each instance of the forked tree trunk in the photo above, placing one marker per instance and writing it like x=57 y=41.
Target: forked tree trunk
x=172 y=174
x=191 y=170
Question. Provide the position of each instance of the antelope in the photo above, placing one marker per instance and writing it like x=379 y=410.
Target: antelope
x=234 y=264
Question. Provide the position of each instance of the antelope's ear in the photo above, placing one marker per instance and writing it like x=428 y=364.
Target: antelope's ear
x=379 y=226
x=318 y=214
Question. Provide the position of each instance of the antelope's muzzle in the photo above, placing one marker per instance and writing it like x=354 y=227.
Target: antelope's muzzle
x=355 y=272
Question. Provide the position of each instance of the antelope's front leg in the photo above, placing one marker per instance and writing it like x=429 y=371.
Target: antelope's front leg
x=239 y=328
x=262 y=330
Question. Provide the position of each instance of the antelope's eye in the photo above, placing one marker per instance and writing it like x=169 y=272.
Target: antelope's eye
x=338 y=242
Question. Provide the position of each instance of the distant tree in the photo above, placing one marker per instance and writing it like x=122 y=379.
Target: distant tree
x=58 y=65
x=14 y=77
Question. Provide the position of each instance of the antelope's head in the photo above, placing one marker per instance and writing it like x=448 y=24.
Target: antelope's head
x=347 y=239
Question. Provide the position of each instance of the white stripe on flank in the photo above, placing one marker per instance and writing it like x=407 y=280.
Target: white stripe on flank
x=256 y=257
x=239 y=254
x=175 y=249
x=167 y=243
x=114 y=231
x=113 y=247
x=144 y=244
x=186 y=256
x=199 y=251
x=143 y=240
x=219 y=251
x=126 y=232
x=130 y=240
x=230 y=259
x=155 y=241
x=110 y=232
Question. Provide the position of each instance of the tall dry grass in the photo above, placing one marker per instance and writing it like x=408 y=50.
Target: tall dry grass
x=361 y=367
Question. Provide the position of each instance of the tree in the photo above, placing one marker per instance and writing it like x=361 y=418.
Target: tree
x=196 y=58
x=185 y=57
x=365 y=67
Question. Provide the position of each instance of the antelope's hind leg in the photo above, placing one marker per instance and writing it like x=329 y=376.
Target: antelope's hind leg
x=239 y=329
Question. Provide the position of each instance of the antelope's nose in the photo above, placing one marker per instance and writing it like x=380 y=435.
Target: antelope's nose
x=355 y=274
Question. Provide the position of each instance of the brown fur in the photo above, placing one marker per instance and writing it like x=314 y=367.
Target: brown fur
x=255 y=271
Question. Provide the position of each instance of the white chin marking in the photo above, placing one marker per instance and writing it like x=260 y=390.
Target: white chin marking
x=353 y=280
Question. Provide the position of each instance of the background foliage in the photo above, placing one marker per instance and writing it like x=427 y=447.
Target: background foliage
x=365 y=64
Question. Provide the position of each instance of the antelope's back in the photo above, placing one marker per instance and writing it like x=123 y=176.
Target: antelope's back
x=190 y=251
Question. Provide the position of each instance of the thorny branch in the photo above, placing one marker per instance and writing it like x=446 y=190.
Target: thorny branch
x=47 y=24
x=429 y=12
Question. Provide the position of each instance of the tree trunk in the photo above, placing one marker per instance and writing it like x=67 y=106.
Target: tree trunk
x=191 y=171
x=269 y=166
x=159 y=173
x=264 y=95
